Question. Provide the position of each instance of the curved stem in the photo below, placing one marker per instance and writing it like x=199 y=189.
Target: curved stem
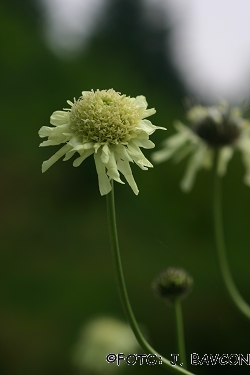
x=123 y=291
x=180 y=331
x=221 y=248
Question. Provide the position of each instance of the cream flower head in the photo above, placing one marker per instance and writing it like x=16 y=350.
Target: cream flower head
x=100 y=337
x=211 y=128
x=107 y=124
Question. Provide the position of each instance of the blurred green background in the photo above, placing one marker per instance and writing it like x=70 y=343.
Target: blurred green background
x=56 y=266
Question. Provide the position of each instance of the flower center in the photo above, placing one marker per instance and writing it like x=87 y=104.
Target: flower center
x=217 y=134
x=105 y=116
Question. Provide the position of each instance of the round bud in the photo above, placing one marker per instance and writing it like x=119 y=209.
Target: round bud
x=172 y=283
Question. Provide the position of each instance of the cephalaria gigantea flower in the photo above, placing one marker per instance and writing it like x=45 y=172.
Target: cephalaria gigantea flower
x=98 y=338
x=108 y=125
x=217 y=128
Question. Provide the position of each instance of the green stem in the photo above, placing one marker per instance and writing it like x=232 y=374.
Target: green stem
x=180 y=331
x=123 y=291
x=221 y=248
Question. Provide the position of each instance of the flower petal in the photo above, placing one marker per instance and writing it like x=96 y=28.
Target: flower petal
x=105 y=154
x=225 y=155
x=104 y=182
x=148 y=112
x=125 y=169
x=142 y=162
x=47 y=164
x=244 y=146
x=49 y=143
x=122 y=152
x=148 y=127
x=194 y=164
x=59 y=118
x=133 y=148
x=141 y=101
x=138 y=157
x=57 y=135
x=145 y=143
x=81 y=158
x=45 y=131
x=246 y=161
x=172 y=144
x=69 y=154
x=112 y=169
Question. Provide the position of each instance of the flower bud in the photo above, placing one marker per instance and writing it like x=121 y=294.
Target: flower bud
x=172 y=283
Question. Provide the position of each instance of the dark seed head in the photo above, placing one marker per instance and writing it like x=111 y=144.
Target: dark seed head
x=217 y=135
x=218 y=126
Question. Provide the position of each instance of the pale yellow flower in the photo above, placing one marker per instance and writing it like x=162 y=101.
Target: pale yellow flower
x=100 y=337
x=108 y=125
x=211 y=128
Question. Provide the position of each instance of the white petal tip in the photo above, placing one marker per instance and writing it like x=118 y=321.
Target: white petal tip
x=45 y=166
x=185 y=188
x=105 y=192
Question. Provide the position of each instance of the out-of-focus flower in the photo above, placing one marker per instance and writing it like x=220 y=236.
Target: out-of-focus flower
x=172 y=283
x=107 y=124
x=99 y=338
x=217 y=128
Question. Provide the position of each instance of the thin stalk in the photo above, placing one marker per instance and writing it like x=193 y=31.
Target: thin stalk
x=123 y=290
x=180 y=331
x=221 y=247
